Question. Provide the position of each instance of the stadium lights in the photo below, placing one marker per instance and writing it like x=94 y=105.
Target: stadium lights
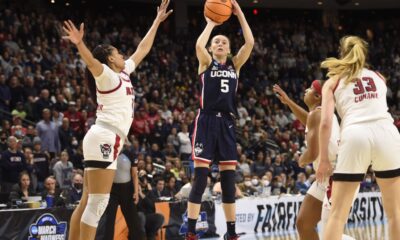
x=357 y=3
x=52 y=1
x=319 y=3
x=67 y=4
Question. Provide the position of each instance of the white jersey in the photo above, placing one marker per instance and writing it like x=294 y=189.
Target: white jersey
x=115 y=97
x=363 y=100
x=333 y=142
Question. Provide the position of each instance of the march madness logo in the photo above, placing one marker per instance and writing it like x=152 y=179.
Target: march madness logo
x=201 y=225
x=48 y=228
x=105 y=150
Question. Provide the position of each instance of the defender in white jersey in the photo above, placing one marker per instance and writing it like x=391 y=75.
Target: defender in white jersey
x=113 y=91
x=311 y=210
x=368 y=136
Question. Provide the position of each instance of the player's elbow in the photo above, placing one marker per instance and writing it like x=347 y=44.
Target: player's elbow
x=250 y=42
x=325 y=124
x=313 y=154
x=199 y=46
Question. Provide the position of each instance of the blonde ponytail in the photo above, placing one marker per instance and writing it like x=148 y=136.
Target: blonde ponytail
x=353 y=56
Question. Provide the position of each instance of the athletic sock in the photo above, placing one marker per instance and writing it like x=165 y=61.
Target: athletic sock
x=231 y=226
x=192 y=225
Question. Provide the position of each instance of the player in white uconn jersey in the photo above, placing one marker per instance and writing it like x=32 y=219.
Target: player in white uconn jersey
x=112 y=88
x=368 y=136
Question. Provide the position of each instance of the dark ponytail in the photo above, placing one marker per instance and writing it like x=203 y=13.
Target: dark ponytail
x=101 y=53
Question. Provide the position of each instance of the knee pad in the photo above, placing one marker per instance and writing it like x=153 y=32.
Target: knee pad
x=95 y=207
x=228 y=186
x=199 y=184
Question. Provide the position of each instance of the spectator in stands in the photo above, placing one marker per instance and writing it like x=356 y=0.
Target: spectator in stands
x=32 y=167
x=260 y=165
x=65 y=134
x=159 y=190
x=144 y=182
x=157 y=155
x=42 y=103
x=22 y=189
x=41 y=160
x=27 y=140
x=140 y=125
x=246 y=187
x=74 y=193
x=170 y=154
x=57 y=117
x=63 y=171
x=19 y=111
x=185 y=149
x=301 y=184
x=3 y=141
x=12 y=163
x=244 y=165
x=50 y=190
x=278 y=186
x=16 y=91
x=61 y=104
x=48 y=133
x=170 y=188
x=75 y=119
x=5 y=96
x=277 y=166
x=174 y=139
x=369 y=183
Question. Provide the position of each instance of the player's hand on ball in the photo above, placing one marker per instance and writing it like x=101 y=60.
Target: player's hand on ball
x=209 y=21
x=235 y=7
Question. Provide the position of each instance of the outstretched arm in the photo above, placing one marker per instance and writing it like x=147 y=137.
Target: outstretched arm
x=147 y=42
x=298 y=111
x=76 y=37
x=244 y=52
x=202 y=54
x=311 y=153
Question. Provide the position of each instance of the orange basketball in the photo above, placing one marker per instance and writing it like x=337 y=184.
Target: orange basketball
x=218 y=10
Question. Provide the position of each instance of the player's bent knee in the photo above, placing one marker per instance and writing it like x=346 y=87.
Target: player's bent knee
x=95 y=207
x=199 y=184
x=228 y=186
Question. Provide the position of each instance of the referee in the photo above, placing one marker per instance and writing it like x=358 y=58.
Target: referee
x=124 y=192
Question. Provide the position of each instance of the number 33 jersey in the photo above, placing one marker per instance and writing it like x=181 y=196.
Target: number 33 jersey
x=218 y=85
x=363 y=100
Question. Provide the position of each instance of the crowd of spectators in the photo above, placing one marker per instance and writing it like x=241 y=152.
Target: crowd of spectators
x=45 y=107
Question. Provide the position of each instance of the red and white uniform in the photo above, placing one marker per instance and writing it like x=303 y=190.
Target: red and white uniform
x=115 y=98
x=368 y=135
x=318 y=190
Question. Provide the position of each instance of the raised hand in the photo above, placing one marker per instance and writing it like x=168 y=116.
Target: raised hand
x=281 y=94
x=210 y=21
x=73 y=34
x=162 y=13
x=235 y=7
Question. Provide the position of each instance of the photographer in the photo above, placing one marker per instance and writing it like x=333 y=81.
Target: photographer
x=151 y=221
